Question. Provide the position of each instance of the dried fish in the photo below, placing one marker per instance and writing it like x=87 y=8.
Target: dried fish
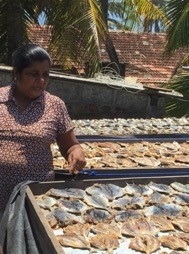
x=135 y=227
x=97 y=215
x=180 y=187
x=127 y=214
x=133 y=189
x=183 y=236
x=97 y=200
x=173 y=242
x=66 y=193
x=107 y=242
x=122 y=155
x=146 y=190
x=110 y=146
x=146 y=243
x=79 y=228
x=74 y=240
x=161 y=223
x=182 y=223
x=106 y=228
x=163 y=209
x=111 y=191
x=182 y=159
x=65 y=218
x=172 y=146
x=73 y=206
x=182 y=199
x=137 y=202
x=45 y=202
x=121 y=203
x=143 y=213
x=129 y=228
x=162 y=188
x=147 y=161
x=158 y=198
x=50 y=218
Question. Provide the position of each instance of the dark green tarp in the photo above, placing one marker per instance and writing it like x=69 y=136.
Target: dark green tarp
x=16 y=235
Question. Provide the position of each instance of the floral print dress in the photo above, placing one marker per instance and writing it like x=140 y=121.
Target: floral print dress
x=25 y=139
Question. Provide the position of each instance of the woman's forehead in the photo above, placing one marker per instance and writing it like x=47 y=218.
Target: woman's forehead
x=39 y=65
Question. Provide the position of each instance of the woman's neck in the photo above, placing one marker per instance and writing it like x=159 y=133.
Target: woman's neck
x=22 y=101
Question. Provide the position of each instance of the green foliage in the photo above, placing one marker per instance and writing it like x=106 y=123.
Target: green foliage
x=178 y=36
x=178 y=29
x=179 y=107
x=132 y=14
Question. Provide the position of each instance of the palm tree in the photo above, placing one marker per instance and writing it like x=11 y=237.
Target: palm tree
x=14 y=22
x=178 y=36
x=135 y=14
x=157 y=25
x=178 y=32
x=79 y=21
x=78 y=25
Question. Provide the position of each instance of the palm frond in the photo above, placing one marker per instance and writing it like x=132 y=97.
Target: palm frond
x=132 y=13
x=179 y=107
x=178 y=30
x=81 y=23
x=15 y=19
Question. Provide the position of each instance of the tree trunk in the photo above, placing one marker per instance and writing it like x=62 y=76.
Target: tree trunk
x=108 y=41
x=104 y=8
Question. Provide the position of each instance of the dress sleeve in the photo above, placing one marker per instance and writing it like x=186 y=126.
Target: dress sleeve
x=64 y=123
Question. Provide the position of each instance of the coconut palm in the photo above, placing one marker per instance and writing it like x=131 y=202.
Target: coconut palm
x=178 y=32
x=157 y=25
x=15 y=18
x=135 y=14
x=178 y=36
x=79 y=26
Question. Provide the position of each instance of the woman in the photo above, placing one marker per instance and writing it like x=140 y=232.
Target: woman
x=30 y=121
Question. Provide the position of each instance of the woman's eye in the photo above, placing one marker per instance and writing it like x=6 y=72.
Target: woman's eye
x=36 y=75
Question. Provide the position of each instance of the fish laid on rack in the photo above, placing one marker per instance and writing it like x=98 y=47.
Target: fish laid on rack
x=173 y=242
x=120 y=155
x=111 y=191
x=73 y=206
x=74 y=240
x=66 y=193
x=107 y=242
x=136 y=227
x=148 y=217
x=145 y=243
x=164 y=210
x=107 y=228
x=97 y=200
x=182 y=223
x=65 y=218
x=81 y=229
x=162 y=223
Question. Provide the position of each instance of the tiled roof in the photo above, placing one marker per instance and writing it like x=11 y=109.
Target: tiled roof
x=142 y=54
x=40 y=35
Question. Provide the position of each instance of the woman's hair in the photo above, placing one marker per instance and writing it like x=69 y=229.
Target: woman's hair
x=27 y=54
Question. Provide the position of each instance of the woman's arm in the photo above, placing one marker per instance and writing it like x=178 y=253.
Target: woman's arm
x=71 y=150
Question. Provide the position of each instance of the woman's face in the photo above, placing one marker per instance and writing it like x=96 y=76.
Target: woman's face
x=33 y=79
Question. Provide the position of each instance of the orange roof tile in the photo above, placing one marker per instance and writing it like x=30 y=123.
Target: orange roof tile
x=142 y=53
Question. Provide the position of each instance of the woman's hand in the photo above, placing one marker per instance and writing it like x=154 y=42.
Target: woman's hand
x=72 y=151
x=76 y=158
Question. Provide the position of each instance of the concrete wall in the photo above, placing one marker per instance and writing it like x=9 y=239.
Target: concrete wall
x=88 y=100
